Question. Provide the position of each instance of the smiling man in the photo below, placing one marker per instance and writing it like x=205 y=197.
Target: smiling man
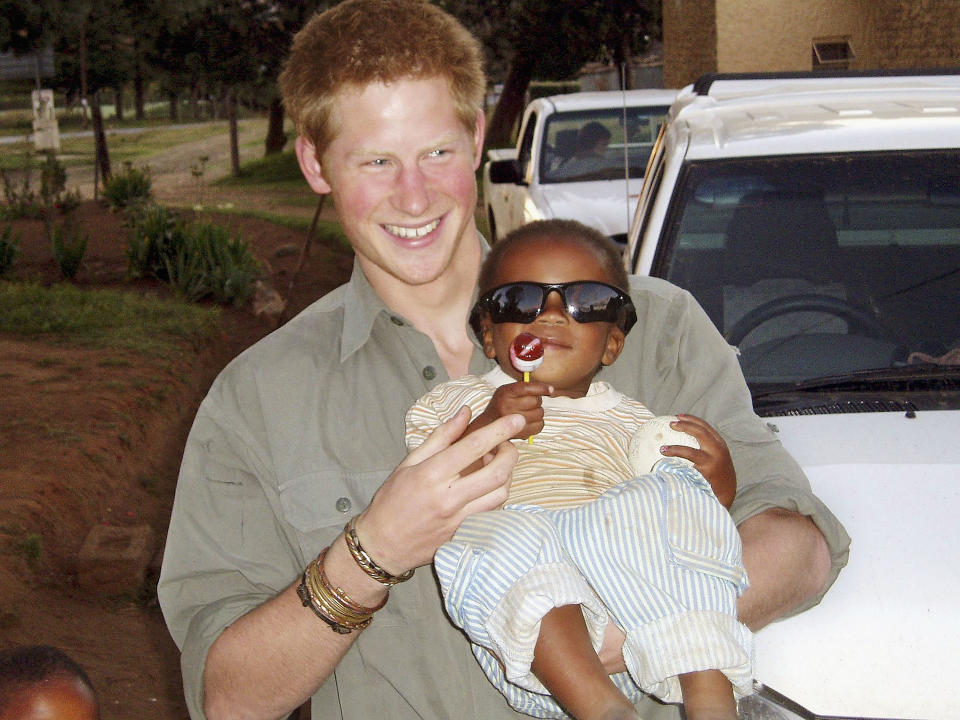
x=298 y=514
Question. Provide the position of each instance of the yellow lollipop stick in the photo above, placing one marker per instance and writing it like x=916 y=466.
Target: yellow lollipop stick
x=526 y=378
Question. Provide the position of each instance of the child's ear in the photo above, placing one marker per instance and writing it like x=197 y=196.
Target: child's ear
x=614 y=346
x=486 y=329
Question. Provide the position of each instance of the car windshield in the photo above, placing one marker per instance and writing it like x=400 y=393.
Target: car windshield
x=592 y=144
x=823 y=265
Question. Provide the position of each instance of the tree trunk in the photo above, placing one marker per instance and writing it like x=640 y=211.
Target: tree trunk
x=276 y=137
x=100 y=138
x=118 y=103
x=511 y=102
x=231 y=101
x=195 y=102
x=174 y=106
x=139 y=107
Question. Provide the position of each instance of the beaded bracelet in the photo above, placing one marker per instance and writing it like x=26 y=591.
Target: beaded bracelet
x=366 y=563
x=330 y=603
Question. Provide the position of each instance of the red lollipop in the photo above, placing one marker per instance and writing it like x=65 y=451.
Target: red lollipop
x=526 y=353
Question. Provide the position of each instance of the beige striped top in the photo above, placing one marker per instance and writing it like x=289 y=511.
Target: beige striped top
x=580 y=453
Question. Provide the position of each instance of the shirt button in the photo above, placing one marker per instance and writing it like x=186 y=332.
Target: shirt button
x=395 y=320
x=343 y=504
x=429 y=372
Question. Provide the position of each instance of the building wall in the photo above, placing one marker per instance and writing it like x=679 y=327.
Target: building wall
x=689 y=40
x=768 y=35
x=915 y=33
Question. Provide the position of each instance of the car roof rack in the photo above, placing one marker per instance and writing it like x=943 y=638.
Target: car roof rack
x=703 y=84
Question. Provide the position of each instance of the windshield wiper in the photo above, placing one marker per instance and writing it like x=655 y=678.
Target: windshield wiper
x=906 y=378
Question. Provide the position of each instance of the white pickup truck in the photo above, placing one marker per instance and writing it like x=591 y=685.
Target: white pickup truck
x=817 y=221
x=579 y=156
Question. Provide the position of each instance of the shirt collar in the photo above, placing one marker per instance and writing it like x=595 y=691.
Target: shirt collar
x=361 y=306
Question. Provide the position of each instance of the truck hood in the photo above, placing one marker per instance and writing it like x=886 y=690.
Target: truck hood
x=601 y=204
x=883 y=642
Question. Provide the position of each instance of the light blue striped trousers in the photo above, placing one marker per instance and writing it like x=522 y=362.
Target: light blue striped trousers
x=657 y=555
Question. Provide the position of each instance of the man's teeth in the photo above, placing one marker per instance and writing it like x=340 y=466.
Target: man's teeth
x=408 y=233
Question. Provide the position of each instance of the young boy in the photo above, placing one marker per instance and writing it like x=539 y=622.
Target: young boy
x=43 y=683
x=586 y=540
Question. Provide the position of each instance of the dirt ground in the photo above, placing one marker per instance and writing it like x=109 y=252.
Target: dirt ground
x=92 y=437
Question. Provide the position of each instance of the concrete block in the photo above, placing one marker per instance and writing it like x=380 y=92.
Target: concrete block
x=113 y=559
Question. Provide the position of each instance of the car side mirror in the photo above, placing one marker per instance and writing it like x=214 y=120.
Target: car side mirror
x=506 y=171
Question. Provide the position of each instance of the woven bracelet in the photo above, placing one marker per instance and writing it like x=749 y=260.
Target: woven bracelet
x=367 y=563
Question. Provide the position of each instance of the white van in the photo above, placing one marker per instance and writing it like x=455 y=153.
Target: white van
x=817 y=221
x=548 y=176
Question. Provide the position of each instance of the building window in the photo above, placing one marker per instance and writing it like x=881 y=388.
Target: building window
x=832 y=53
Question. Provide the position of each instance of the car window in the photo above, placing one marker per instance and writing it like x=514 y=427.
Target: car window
x=595 y=144
x=823 y=264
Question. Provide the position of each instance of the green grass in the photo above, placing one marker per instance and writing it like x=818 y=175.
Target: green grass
x=137 y=147
x=279 y=170
x=104 y=318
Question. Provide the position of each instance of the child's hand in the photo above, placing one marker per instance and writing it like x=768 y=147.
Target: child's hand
x=712 y=459
x=523 y=398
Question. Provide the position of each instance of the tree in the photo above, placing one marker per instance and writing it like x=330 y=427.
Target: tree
x=91 y=46
x=24 y=26
x=528 y=39
x=289 y=16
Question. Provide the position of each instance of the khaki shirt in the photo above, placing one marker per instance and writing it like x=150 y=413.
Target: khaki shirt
x=299 y=431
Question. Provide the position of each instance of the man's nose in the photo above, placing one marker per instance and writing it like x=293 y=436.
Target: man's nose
x=411 y=194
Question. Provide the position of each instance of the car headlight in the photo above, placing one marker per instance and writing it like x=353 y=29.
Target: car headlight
x=768 y=704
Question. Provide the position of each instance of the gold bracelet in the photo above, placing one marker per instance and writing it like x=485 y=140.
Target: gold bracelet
x=330 y=603
x=366 y=563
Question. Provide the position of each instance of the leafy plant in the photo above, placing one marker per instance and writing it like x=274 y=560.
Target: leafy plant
x=69 y=246
x=8 y=249
x=213 y=263
x=155 y=234
x=198 y=170
x=200 y=260
x=129 y=187
x=21 y=201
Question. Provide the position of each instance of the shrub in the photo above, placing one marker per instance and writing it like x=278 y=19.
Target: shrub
x=200 y=260
x=213 y=263
x=69 y=246
x=155 y=234
x=8 y=249
x=21 y=201
x=128 y=188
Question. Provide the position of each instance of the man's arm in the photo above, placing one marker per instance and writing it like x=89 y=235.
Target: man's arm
x=793 y=546
x=272 y=658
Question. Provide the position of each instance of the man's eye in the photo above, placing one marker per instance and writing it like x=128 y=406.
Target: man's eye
x=439 y=152
x=378 y=162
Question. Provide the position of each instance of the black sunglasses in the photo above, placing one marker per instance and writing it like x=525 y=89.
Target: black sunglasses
x=585 y=301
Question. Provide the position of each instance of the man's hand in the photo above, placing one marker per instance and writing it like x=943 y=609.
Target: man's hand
x=712 y=459
x=420 y=506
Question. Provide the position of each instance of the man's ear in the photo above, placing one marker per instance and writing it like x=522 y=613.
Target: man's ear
x=614 y=346
x=479 y=129
x=310 y=165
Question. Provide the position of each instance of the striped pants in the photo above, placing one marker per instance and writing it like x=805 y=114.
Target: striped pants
x=657 y=555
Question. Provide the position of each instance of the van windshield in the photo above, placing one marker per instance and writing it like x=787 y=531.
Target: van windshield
x=823 y=265
x=592 y=144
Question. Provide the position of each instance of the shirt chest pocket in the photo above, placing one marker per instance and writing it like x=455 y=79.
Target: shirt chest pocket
x=317 y=505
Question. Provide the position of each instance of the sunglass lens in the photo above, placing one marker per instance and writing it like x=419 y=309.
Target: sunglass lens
x=592 y=302
x=517 y=302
